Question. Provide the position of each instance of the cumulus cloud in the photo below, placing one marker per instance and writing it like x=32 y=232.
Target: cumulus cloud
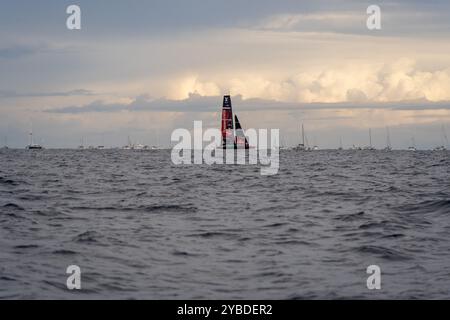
x=401 y=80
x=289 y=58
x=398 y=81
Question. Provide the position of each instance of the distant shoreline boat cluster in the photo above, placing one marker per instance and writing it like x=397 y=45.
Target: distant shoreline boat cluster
x=128 y=146
x=304 y=146
x=233 y=136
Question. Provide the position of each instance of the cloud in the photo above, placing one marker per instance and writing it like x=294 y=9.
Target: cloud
x=76 y=92
x=319 y=21
x=19 y=51
x=400 y=80
x=397 y=19
x=198 y=103
x=195 y=103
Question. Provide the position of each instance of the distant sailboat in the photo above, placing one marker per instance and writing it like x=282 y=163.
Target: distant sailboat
x=6 y=143
x=156 y=146
x=230 y=138
x=440 y=148
x=282 y=143
x=102 y=145
x=340 y=144
x=413 y=145
x=444 y=140
x=134 y=146
x=301 y=146
x=81 y=146
x=129 y=146
x=307 y=147
x=444 y=134
x=315 y=147
x=32 y=145
x=138 y=146
x=370 y=147
x=388 y=140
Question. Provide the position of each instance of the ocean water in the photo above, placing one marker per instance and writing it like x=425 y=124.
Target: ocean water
x=142 y=228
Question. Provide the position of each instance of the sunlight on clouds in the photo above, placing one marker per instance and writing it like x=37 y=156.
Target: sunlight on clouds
x=297 y=21
x=397 y=81
x=142 y=82
x=192 y=84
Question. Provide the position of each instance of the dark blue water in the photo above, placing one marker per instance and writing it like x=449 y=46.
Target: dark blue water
x=140 y=227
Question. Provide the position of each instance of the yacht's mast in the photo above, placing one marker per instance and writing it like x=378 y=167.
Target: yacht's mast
x=303 y=135
x=445 y=136
x=157 y=137
x=388 y=138
x=31 y=135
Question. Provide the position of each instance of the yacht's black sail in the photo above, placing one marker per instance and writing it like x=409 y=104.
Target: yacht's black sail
x=241 y=139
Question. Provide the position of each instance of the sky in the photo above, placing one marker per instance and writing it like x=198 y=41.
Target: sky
x=144 y=68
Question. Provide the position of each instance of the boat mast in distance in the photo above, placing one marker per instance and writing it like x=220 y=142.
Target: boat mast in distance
x=388 y=140
x=81 y=146
x=413 y=145
x=6 y=143
x=315 y=146
x=32 y=145
x=301 y=146
x=444 y=141
x=445 y=137
x=370 y=141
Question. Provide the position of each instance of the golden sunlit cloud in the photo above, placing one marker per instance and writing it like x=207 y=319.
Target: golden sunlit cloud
x=400 y=80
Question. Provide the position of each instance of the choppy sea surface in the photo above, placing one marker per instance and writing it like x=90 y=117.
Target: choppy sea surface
x=140 y=227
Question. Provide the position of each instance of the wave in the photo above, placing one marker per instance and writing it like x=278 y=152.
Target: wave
x=385 y=253
x=211 y=234
x=8 y=181
x=13 y=206
x=145 y=208
x=428 y=206
x=64 y=252
x=351 y=216
x=88 y=237
x=185 y=253
x=276 y=224
x=26 y=246
x=168 y=208
x=393 y=236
